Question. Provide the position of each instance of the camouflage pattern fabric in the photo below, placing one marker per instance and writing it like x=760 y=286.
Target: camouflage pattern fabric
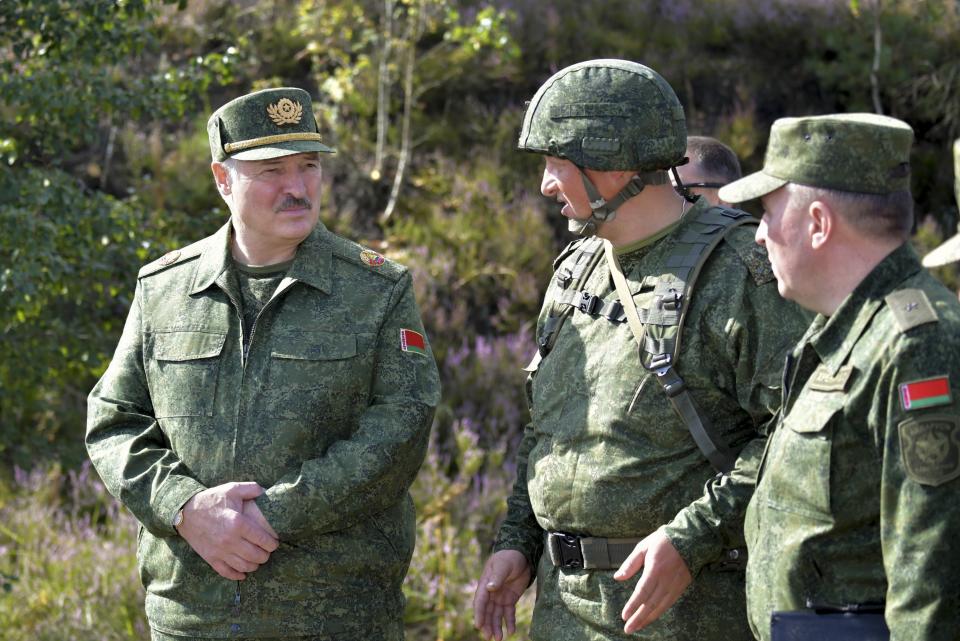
x=327 y=412
x=607 y=115
x=606 y=455
x=857 y=497
x=828 y=152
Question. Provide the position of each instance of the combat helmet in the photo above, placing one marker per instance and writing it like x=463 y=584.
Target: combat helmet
x=608 y=115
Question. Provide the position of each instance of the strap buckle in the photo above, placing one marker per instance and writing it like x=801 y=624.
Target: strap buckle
x=672 y=301
x=588 y=303
x=565 y=550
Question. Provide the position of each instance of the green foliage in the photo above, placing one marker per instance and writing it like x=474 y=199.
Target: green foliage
x=74 y=75
x=64 y=61
x=65 y=283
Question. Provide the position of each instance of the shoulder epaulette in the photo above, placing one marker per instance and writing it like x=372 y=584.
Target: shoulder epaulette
x=567 y=251
x=910 y=308
x=372 y=261
x=175 y=257
x=754 y=256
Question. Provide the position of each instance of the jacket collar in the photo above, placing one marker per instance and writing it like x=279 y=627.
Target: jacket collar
x=841 y=331
x=311 y=264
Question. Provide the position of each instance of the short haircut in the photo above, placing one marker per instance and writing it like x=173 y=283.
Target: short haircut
x=716 y=161
x=882 y=216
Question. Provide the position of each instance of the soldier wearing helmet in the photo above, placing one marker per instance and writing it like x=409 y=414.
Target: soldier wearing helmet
x=660 y=344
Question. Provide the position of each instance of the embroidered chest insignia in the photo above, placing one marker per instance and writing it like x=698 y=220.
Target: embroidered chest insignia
x=823 y=381
x=372 y=258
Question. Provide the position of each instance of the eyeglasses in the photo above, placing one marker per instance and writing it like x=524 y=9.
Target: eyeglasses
x=705 y=185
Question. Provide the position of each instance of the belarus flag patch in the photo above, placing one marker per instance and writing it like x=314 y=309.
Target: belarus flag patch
x=411 y=341
x=926 y=393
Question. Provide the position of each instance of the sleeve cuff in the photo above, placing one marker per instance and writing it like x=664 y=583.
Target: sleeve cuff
x=696 y=552
x=170 y=498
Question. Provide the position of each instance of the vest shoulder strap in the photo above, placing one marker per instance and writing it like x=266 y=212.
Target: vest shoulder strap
x=665 y=319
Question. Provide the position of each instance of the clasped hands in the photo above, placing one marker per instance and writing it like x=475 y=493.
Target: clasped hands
x=506 y=575
x=226 y=528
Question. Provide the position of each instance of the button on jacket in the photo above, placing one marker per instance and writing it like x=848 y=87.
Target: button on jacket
x=329 y=411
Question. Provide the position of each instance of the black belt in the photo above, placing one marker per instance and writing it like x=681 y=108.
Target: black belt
x=573 y=552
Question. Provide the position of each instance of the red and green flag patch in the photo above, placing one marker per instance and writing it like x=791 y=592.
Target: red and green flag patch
x=411 y=341
x=926 y=393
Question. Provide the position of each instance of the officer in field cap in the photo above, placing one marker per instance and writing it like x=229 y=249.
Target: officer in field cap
x=268 y=406
x=855 y=506
x=949 y=251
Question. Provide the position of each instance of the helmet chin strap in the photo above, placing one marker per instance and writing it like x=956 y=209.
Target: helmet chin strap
x=603 y=210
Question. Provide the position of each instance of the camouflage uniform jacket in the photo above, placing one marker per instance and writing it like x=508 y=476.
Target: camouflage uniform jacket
x=606 y=454
x=857 y=497
x=326 y=412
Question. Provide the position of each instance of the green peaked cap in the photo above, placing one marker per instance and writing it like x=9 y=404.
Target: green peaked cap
x=862 y=153
x=265 y=124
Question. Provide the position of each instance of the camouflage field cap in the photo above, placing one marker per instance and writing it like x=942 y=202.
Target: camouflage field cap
x=265 y=124
x=949 y=251
x=607 y=115
x=863 y=153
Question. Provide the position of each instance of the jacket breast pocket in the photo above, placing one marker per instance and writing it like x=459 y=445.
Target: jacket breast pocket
x=319 y=376
x=182 y=372
x=800 y=467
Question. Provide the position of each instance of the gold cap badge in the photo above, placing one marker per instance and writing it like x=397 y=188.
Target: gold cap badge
x=285 y=112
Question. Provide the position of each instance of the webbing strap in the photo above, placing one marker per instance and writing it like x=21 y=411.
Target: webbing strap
x=585 y=260
x=703 y=432
x=658 y=330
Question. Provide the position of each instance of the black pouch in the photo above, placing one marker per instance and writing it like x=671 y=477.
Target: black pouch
x=834 y=625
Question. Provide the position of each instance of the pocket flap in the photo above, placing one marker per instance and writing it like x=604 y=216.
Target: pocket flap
x=187 y=345
x=316 y=347
x=813 y=411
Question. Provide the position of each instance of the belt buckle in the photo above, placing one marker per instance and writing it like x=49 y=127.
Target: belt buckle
x=567 y=549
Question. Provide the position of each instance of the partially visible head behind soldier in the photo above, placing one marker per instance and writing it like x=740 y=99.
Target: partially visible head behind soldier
x=601 y=117
x=836 y=197
x=949 y=251
x=711 y=165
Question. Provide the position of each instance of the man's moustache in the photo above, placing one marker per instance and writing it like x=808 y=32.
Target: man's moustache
x=295 y=203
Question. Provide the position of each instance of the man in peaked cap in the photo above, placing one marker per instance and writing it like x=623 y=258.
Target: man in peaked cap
x=268 y=407
x=641 y=391
x=949 y=251
x=856 y=502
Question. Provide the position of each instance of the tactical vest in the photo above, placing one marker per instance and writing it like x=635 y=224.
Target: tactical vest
x=662 y=320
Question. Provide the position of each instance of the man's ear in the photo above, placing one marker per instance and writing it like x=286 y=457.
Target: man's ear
x=221 y=177
x=822 y=223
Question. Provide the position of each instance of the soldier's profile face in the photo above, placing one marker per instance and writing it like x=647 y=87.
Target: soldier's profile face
x=277 y=200
x=562 y=182
x=782 y=232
